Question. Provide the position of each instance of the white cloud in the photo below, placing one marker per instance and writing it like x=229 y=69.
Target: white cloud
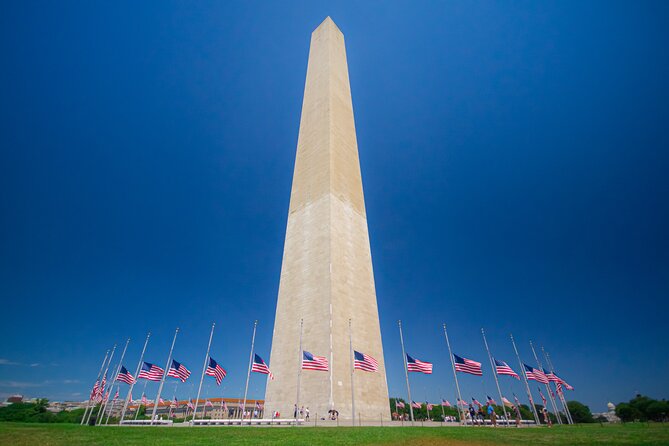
x=4 y=361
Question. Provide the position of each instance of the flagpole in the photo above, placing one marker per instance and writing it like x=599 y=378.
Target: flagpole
x=118 y=369
x=162 y=381
x=406 y=371
x=139 y=364
x=527 y=386
x=96 y=380
x=560 y=393
x=204 y=366
x=100 y=380
x=104 y=377
x=441 y=403
x=248 y=374
x=494 y=372
x=352 y=359
x=548 y=389
x=299 y=373
x=455 y=376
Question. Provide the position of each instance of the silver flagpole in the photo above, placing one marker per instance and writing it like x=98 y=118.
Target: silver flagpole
x=564 y=406
x=561 y=393
x=204 y=367
x=494 y=372
x=139 y=364
x=406 y=371
x=299 y=373
x=162 y=380
x=352 y=359
x=548 y=389
x=527 y=386
x=104 y=376
x=118 y=368
x=463 y=419
x=88 y=403
x=248 y=374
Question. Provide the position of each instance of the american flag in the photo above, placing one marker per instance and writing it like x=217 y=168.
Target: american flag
x=258 y=406
x=144 y=400
x=313 y=362
x=106 y=398
x=564 y=383
x=174 y=403
x=260 y=366
x=399 y=404
x=365 y=362
x=161 y=400
x=543 y=398
x=178 y=370
x=475 y=401
x=516 y=400
x=428 y=405
x=94 y=392
x=415 y=365
x=215 y=370
x=224 y=405
x=551 y=376
x=115 y=396
x=415 y=405
x=462 y=403
x=535 y=374
x=558 y=388
x=190 y=404
x=465 y=365
x=208 y=403
x=491 y=401
x=502 y=368
x=125 y=376
x=506 y=402
x=151 y=372
x=445 y=403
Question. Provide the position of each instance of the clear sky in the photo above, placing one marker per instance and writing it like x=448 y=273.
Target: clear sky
x=514 y=159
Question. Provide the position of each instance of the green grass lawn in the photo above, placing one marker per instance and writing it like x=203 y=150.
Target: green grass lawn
x=68 y=434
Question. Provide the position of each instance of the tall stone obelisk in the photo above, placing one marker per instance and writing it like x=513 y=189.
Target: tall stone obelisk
x=326 y=274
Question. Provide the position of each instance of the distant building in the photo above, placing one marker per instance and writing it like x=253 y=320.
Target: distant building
x=15 y=399
x=610 y=415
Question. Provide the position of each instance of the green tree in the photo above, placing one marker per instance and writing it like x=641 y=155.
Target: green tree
x=626 y=412
x=580 y=413
x=657 y=410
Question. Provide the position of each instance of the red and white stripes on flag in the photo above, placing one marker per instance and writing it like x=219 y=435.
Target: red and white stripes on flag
x=313 y=362
x=179 y=371
x=151 y=372
x=215 y=370
x=259 y=366
x=465 y=365
x=534 y=374
x=502 y=368
x=415 y=365
x=361 y=361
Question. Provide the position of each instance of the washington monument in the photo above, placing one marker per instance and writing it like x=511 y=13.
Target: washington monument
x=326 y=275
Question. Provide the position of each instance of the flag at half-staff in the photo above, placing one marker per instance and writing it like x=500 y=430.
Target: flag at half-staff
x=506 y=402
x=502 y=368
x=259 y=366
x=465 y=365
x=543 y=398
x=428 y=405
x=535 y=374
x=125 y=376
x=179 y=371
x=491 y=401
x=215 y=370
x=415 y=365
x=150 y=372
x=564 y=383
x=208 y=403
x=415 y=405
x=445 y=403
x=314 y=362
x=462 y=403
x=475 y=401
x=365 y=362
x=399 y=404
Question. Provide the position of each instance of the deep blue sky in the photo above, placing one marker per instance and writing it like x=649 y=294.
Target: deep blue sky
x=514 y=160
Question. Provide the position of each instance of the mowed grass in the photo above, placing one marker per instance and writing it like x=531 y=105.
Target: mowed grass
x=67 y=434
